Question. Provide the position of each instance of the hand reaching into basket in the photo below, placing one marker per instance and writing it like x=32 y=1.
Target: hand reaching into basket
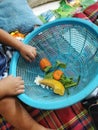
x=27 y=51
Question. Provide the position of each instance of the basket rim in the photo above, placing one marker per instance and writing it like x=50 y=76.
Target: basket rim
x=86 y=23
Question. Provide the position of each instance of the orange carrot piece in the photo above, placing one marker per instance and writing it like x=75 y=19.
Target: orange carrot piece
x=57 y=74
x=44 y=62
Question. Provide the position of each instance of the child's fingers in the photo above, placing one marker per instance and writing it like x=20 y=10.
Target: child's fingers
x=28 y=58
x=32 y=56
x=19 y=82
x=22 y=82
x=18 y=77
x=19 y=87
x=20 y=91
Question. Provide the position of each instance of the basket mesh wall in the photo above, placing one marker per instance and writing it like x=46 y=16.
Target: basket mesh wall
x=72 y=44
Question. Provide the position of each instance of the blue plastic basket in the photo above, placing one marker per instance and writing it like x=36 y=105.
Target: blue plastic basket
x=72 y=41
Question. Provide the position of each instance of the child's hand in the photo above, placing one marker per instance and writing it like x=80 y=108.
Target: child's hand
x=28 y=52
x=10 y=86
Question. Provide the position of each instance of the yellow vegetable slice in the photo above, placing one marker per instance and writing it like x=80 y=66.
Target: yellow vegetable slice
x=57 y=86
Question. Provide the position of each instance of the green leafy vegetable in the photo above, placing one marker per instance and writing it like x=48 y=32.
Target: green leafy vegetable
x=47 y=69
x=68 y=82
x=49 y=75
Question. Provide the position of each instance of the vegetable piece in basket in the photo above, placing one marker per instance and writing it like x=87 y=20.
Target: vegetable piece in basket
x=57 y=86
x=45 y=64
x=57 y=74
x=69 y=82
x=55 y=78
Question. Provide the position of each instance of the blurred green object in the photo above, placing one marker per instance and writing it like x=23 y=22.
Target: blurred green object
x=67 y=11
x=64 y=10
x=86 y=3
x=48 y=16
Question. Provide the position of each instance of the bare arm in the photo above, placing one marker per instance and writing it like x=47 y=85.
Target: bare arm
x=27 y=51
x=8 y=40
